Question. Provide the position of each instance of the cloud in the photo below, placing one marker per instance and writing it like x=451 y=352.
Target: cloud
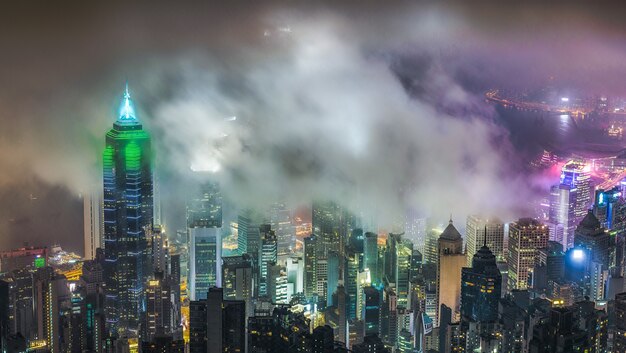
x=322 y=119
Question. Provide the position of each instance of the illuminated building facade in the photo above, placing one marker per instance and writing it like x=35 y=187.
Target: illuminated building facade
x=92 y=223
x=237 y=278
x=310 y=266
x=128 y=209
x=450 y=262
x=578 y=176
x=526 y=237
x=268 y=256
x=478 y=229
x=605 y=206
x=562 y=213
x=204 y=226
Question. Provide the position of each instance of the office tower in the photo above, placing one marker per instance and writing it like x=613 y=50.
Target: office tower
x=310 y=266
x=213 y=326
x=204 y=225
x=402 y=271
x=128 y=210
x=481 y=287
x=4 y=315
x=47 y=289
x=578 y=176
x=21 y=302
x=605 y=206
x=277 y=284
x=234 y=326
x=526 y=236
x=198 y=326
x=562 y=213
x=158 y=316
x=214 y=320
x=553 y=257
x=512 y=326
x=268 y=255
x=174 y=278
x=619 y=330
x=160 y=256
x=342 y=308
x=163 y=344
x=389 y=258
x=451 y=260
x=370 y=255
x=279 y=217
x=351 y=273
x=356 y=241
x=322 y=281
x=21 y=258
x=591 y=235
x=332 y=223
x=248 y=223
x=92 y=223
x=295 y=274
x=389 y=316
x=332 y=276
x=237 y=279
x=92 y=282
x=595 y=323
x=477 y=230
x=205 y=254
x=372 y=302
x=415 y=229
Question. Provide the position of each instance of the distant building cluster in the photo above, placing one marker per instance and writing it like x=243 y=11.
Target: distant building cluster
x=338 y=284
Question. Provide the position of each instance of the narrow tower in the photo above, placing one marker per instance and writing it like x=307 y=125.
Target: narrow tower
x=127 y=214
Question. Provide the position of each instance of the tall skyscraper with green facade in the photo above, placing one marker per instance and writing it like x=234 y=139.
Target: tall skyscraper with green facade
x=128 y=209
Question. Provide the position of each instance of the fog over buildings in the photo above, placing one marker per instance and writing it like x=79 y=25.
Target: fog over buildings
x=378 y=112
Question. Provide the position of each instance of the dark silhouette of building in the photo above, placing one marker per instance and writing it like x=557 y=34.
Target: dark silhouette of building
x=370 y=344
x=163 y=344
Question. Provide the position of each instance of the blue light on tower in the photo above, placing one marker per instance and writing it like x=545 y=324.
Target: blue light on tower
x=578 y=255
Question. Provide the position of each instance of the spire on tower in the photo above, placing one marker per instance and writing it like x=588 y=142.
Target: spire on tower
x=127 y=108
x=485 y=237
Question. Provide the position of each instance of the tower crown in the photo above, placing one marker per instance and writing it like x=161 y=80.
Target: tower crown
x=126 y=112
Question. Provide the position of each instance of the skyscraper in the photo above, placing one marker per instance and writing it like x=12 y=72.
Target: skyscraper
x=370 y=255
x=310 y=266
x=204 y=224
x=451 y=261
x=128 y=209
x=619 y=335
x=92 y=223
x=268 y=253
x=481 y=287
x=475 y=234
x=372 y=300
x=563 y=198
x=592 y=236
x=526 y=237
x=578 y=175
x=237 y=279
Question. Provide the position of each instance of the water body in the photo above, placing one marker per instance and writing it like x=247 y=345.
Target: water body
x=531 y=132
